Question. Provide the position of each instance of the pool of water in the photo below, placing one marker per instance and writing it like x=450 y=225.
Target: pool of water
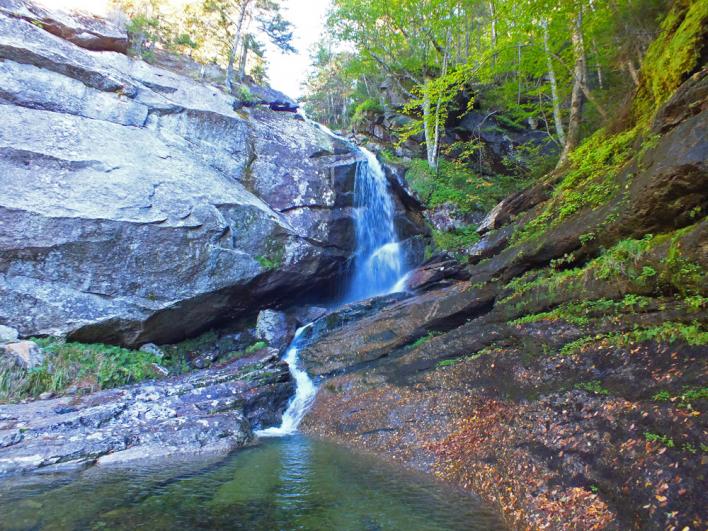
x=286 y=483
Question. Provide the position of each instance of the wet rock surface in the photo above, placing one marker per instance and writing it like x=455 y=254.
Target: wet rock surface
x=219 y=213
x=366 y=331
x=553 y=439
x=569 y=391
x=201 y=412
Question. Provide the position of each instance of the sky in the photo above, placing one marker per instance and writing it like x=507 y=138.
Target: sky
x=286 y=72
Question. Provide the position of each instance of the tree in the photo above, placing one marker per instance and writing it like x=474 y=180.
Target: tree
x=234 y=18
x=528 y=58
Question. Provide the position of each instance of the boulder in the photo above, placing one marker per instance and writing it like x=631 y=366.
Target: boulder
x=273 y=327
x=8 y=334
x=26 y=354
x=152 y=348
x=363 y=332
x=435 y=270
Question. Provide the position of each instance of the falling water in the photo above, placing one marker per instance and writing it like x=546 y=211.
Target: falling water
x=305 y=391
x=378 y=259
x=378 y=269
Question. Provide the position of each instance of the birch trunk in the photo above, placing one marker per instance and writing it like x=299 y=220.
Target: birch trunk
x=557 y=120
x=235 y=46
x=577 y=97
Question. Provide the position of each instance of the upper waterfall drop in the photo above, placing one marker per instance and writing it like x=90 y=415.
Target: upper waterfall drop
x=379 y=263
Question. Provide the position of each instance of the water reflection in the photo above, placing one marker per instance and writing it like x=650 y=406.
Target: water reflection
x=287 y=483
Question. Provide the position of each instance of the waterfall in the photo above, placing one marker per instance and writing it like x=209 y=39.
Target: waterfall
x=305 y=391
x=378 y=269
x=378 y=260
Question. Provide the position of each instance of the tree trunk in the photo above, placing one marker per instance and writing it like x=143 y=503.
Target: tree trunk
x=557 y=120
x=428 y=128
x=518 y=74
x=632 y=72
x=235 y=46
x=242 y=63
x=577 y=97
x=492 y=12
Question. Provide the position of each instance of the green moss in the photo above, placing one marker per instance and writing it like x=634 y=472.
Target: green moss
x=273 y=261
x=594 y=387
x=448 y=363
x=424 y=339
x=590 y=182
x=672 y=56
x=258 y=345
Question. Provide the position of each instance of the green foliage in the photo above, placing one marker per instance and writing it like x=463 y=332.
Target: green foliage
x=580 y=313
x=686 y=399
x=590 y=182
x=456 y=239
x=654 y=264
x=454 y=183
x=672 y=56
x=365 y=108
x=594 y=387
x=693 y=334
x=95 y=366
x=662 y=396
x=575 y=346
x=258 y=345
x=244 y=95
x=656 y=437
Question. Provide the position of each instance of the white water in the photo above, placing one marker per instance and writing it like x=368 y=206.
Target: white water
x=378 y=269
x=378 y=260
x=305 y=391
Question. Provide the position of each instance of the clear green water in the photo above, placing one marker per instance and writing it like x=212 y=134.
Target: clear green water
x=282 y=484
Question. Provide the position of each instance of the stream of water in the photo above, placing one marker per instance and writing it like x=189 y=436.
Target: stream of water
x=378 y=269
x=286 y=482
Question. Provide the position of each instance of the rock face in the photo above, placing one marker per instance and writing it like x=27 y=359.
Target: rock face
x=434 y=271
x=565 y=380
x=364 y=332
x=84 y=30
x=7 y=334
x=138 y=206
x=207 y=411
x=26 y=354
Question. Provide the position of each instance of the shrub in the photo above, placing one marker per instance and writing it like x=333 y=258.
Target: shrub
x=96 y=366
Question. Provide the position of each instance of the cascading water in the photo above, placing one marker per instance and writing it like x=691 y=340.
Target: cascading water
x=378 y=269
x=305 y=391
x=378 y=260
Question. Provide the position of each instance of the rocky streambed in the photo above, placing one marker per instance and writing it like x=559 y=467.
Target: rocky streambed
x=205 y=412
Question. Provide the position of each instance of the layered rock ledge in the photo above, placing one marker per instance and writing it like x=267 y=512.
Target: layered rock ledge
x=139 y=206
x=210 y=411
